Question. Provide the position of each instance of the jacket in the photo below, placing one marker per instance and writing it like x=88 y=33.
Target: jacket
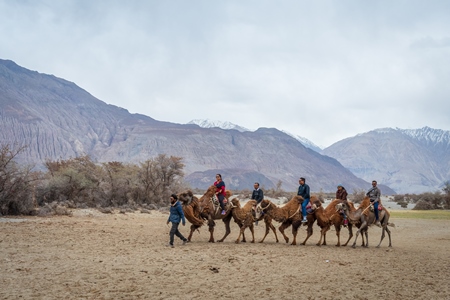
x=374 y=194
x=303 y=190
x=220 y=187
x=258 y=195
x=341 y=194
x=176 y=213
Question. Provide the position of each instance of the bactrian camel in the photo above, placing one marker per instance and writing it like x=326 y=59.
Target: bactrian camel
x=331 y=216
x=283 y=215
x=366 y=217
x=243 y=216
x=191 y=211
x=211 y=212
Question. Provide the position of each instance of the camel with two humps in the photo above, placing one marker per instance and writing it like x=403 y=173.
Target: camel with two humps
x=210 y=212
x=243 y=216
x=366 y=217
x=283 y=215
x=331 y=216
x=190 y=205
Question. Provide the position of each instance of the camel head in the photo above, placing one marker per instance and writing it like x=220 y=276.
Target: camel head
x=186 y=197
x=299 y=199
x=235 y=203
x=341 y=207
x=261 y=207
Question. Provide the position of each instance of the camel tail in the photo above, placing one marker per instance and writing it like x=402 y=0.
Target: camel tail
x=391 y=224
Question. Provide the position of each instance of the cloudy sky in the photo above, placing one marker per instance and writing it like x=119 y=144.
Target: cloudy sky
x=325 y=70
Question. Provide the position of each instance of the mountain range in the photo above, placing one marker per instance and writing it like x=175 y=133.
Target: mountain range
x=56 y=119
x=407 y=160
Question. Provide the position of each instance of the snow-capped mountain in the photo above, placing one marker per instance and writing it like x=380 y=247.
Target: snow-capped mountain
x=407 y=160
x=207 y=123
x=305 y=142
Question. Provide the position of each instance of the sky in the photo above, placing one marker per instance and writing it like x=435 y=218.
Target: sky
x=324 y=70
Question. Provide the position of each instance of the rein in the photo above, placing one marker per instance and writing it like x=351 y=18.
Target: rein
x=298 y=209
x=264 y=208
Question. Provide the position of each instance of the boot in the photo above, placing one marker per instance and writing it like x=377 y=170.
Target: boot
x=377 y=223
x=304 y=220
x=345 y=222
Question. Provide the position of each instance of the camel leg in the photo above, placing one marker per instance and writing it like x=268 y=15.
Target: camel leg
x=241 y=232
x=282 y=228
x=226 y=220
x=269 y=226
x=389 y=235
x=363 y=225
x=193 y=227
x=295 y=227
x=366 y=232
x=211 y=225
x=309 y=232
x=252 y=230
x=382 y=236
x=338 y=234
x=267 y=232
x=385 y=228
x=243 y=238
x=323 y=232
x=350 y=234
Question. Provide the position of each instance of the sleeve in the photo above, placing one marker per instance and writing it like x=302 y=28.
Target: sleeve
x=307 y=192
x=344 y=195
x=379 y=194
x=181 y=213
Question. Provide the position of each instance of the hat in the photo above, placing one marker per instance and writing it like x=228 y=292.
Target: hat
x=174 y=196
x=340 y=185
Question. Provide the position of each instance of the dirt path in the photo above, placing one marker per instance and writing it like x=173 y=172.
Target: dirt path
x=123 y=256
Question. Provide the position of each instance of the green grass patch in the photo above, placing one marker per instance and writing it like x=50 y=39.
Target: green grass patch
x=421 y=214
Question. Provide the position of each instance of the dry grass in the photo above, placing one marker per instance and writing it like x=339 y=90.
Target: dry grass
x=421 y=214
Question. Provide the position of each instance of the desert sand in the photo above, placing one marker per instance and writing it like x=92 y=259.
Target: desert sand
x=91 y=255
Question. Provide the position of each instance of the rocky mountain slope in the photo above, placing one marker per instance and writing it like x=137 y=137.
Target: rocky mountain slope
x=409 y=161
x=57 y=119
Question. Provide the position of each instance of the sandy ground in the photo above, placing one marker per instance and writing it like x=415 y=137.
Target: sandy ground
x=123 y=256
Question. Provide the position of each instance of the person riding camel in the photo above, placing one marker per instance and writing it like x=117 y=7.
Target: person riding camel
x=303 y=190
x=220 y=192
x=374 y=194
x=257 y=195
x=341 y=194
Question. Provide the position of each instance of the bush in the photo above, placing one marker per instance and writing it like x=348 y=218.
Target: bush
x=16 y=184
x=357 y=196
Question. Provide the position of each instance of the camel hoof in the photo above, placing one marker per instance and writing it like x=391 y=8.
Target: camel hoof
x=293 y=244
x=252 y=242
x=353 y=246
x=237 y=242
x=337 y=245
x=318 y=245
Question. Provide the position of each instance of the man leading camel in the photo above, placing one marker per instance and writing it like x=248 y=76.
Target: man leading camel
x=374 y=194
x=303 y=190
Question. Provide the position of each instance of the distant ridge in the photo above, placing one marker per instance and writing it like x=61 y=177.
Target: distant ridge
x=408 y=160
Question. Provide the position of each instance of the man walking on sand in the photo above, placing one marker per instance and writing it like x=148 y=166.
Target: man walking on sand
x=176 y=215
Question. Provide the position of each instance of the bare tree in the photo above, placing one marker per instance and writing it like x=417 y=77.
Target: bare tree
x=16 y=183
